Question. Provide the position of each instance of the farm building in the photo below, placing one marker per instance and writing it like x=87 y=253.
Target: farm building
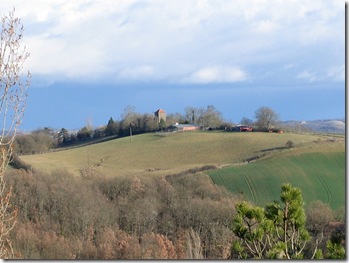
x=160 y=114
x=184 y=127
x=244 y=128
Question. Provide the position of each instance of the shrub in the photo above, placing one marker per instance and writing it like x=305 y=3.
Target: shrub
x=290 y=144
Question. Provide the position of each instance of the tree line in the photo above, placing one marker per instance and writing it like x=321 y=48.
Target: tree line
x=209 y=118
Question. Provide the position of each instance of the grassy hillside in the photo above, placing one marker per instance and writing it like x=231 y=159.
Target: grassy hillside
x=320 y=174
x=156 y=154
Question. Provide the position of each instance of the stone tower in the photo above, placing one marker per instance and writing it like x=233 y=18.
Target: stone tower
x=160 y=114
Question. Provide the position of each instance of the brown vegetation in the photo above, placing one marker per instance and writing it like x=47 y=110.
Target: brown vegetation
x=63 y=216
x=181 y=216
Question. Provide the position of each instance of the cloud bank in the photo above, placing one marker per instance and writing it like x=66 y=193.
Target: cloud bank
x=174 y=41
x=217 y=75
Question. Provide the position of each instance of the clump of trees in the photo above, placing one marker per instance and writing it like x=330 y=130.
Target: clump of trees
x=41 y=140
x=265 y=119
x=209 y=117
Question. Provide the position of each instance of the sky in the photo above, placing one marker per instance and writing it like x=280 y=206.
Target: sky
x=90 y=59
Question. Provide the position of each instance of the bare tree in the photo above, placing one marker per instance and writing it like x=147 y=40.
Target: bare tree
x=194 y=246
x=266 y=117
x=13 y=94
x=246 y=121
x=192 y=115
x=211 y=117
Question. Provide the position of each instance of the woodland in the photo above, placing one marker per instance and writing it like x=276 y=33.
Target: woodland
x=180 y=216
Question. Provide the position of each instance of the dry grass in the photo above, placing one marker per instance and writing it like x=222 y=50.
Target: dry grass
x=175 y=152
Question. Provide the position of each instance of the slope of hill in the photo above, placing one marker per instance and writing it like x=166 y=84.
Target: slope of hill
x=170 y=153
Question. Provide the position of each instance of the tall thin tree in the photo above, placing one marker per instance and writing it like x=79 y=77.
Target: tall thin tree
x=13 y=95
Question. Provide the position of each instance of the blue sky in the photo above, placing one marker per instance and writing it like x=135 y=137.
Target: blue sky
x=90 y=59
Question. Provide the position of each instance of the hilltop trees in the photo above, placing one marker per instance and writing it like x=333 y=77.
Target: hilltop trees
x=112 y=128
x=209 y=117
x=246 y=121
x=266 y=117
x=84 y=133
x=140 y=123
x=193 y=115
x=63 y=136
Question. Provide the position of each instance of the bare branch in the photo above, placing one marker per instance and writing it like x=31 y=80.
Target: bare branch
x=13 y=95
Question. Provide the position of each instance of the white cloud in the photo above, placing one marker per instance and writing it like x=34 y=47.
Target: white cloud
x=217 y=75
x=307 y=75
x=101 y=39
x=336 y=73
x=266 y=27
x=288 y=66
x=138 y=73
x=50 y=56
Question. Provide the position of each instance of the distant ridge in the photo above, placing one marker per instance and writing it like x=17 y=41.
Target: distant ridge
x=326 y=125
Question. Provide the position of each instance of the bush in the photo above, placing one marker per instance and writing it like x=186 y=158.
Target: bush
x=34 y=143
x=290 y=144
x=18 y=163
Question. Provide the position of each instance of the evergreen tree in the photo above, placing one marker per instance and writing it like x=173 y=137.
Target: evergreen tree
x=84 y=133
x=112 y=128
x=63 y=136
x=277 y=231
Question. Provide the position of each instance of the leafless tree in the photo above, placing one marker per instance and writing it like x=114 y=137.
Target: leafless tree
x=194 y=246
x=266 y=117
x=13 y=94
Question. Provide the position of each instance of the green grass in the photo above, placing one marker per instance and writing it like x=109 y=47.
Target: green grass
x=320 y=174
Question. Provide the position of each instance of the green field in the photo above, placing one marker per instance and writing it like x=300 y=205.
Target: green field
x=320 y=175
x=155 y=154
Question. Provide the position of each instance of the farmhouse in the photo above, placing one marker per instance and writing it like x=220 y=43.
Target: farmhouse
x=184 y=127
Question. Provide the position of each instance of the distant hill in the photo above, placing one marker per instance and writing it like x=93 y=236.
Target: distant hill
x=326 y=126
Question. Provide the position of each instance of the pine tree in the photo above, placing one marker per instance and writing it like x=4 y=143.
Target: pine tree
x=277 y=231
